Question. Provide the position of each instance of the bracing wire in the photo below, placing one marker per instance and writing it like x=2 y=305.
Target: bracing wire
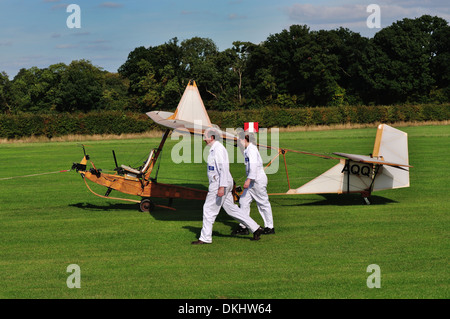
x=32 y=175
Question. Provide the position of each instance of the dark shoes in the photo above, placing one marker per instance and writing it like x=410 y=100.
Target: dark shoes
x=240 y=231
x=244 y=231
x=257 y=234
x=268 y=231
x=198 y=242
x=260 y=231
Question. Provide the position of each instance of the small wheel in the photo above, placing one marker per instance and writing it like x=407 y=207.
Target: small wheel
x=146 y=205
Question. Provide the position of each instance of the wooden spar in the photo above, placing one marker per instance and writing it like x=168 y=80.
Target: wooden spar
x=285 y=166
x=158 y=152
x=279 y=152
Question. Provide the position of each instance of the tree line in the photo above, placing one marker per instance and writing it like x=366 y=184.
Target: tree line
x=406 y=62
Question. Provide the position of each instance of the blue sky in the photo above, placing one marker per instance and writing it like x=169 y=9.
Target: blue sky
x=35 y=33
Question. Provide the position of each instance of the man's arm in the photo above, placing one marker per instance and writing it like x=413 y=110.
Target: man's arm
x=223 y=168
x=252 y=166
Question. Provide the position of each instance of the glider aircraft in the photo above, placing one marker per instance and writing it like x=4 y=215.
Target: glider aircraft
x=386 y=168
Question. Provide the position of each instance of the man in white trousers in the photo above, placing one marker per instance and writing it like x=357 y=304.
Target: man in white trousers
x=255 y=187
x=220 y=192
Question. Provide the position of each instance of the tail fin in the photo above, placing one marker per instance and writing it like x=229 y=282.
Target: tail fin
x=391 y=145
x=387 y=168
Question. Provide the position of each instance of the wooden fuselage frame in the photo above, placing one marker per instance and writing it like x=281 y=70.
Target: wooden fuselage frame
x=139 y=184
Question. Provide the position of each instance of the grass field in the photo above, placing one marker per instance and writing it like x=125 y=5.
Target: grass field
x=321 y=249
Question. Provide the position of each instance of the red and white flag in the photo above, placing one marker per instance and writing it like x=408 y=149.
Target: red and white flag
x=251 y=127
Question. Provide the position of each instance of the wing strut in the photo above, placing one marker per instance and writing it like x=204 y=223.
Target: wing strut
x=158 y=152
x=285 y=166
x=280 y=151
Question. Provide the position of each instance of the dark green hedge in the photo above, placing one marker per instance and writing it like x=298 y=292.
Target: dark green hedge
x=279 y=117
x=117 y=122
x=108 y=122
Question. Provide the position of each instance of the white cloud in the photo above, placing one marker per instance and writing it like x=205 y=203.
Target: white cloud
x=6 y=43
x=110 y=5
x=236 y=16
x=348 y=15
x=80 y=34
x=66 y=46
x=417 y=3
x=310 y=13
x=60 y=6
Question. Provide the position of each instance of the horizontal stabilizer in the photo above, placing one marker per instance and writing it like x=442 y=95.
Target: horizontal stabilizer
x=368 y=159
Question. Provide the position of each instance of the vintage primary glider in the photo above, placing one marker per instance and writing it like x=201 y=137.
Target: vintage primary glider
x=138 y=181
x=386 y=168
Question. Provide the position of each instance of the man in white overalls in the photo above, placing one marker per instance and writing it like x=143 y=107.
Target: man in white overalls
x=220 y=192
x=255 y=187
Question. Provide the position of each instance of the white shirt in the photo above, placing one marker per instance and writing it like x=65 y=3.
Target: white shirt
x=219 y=165
x=253 y=162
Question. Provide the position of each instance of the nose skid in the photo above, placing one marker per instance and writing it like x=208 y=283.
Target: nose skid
x=82 y=165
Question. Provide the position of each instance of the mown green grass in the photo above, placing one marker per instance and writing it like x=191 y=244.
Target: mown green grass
x=321 y=248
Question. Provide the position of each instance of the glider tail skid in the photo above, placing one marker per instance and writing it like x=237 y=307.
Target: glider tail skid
x=386 y=168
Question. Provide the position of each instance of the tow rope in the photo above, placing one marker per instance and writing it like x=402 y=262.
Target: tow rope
x=13 y=177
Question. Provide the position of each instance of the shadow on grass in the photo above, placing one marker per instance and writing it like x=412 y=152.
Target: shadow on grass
x=185 y=210
x=107 y=207
x=188 y=211
x=178 y=204
x=331 y=200
x=196 y=231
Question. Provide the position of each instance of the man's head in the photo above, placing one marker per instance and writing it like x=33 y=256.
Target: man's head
x=210 y=136
x=245 y=138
